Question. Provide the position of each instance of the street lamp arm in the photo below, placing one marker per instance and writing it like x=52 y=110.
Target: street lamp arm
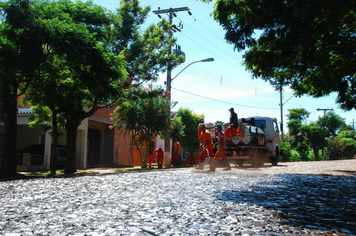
x=204 y=60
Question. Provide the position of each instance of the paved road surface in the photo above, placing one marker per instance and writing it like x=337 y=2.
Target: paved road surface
x=309 y=198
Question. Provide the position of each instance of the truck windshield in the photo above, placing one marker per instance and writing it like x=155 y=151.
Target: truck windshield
x=259 y=123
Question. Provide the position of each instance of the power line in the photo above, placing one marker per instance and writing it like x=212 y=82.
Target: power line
x=212 y=52
x=227 y=83
x=206 y=39
x=213 y=99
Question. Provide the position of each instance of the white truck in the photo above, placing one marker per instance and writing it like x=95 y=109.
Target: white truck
x=257 y=142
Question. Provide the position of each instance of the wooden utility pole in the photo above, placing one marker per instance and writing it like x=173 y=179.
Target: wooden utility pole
x=325 y=110
x=167 y=149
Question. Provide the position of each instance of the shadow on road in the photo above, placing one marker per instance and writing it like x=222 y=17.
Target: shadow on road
x=317 y=202
x=347 y=172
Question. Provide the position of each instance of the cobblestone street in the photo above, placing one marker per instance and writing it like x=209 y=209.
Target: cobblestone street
x=283 y=200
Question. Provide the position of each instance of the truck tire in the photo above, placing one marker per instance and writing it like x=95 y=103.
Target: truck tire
x=257 y=162
x=240 y=163
x=274 y=159
x=257 y=158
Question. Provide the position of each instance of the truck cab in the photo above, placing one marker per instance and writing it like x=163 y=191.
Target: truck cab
x=270 y=127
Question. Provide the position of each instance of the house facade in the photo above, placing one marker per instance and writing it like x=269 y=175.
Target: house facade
x=97 y=144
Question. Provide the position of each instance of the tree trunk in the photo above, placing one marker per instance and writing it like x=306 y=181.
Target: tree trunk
x=8 y=162
x=55 y=141
x=316 y=153
x=70 y=163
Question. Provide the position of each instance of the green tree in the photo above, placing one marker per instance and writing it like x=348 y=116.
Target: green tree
x=178 y=128
x=332 y=123
x=99 y=80
x=219 y=122
x=298 y=139
x=143 y=114
x=309 y=45
x=75 y=79
x=299 y=114
x=21 y=55
x=296 y=118
x=347 y=135
x=315 y=136
x=336 y=148
x=189 y=140
x=346 y=132
x=328 y=125
x=350 y=147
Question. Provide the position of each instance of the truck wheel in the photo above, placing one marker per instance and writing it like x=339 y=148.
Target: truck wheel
x=240 y=163
x=274 y=159
x=258 y=160
x=257 y=163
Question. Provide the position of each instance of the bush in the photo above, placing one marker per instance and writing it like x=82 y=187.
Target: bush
x=350 y=147
x=286 y=151
x=311 y=156
x=336 y=148
x=295 y=155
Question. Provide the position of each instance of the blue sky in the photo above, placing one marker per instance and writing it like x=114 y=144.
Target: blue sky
x=211 y=88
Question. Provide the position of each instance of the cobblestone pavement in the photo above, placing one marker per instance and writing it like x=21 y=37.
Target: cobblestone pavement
x=283 y=200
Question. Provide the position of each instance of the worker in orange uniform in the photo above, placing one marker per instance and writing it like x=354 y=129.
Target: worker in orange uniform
x=207 y=142
x=151 y=155
x=160 y=155
x=201 y=121
x=176 y=154
x=221 y=153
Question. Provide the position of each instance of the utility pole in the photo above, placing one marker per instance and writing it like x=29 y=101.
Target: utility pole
x=325 y=110
x=167 y=141
x=281 y=104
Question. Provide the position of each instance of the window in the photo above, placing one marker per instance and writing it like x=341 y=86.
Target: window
x=275 y=125
x=260 y=124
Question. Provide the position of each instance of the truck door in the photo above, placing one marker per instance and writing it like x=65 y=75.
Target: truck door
x=276 y=140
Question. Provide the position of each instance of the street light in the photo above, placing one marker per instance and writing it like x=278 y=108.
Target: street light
x=204 y=60
x=167 y=141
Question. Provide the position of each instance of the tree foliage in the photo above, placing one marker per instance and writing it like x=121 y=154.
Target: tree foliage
x=189 y=140
x=316 y=134
x=336 y=148
x=309 y=45
x=299 y=114
x=21 y=41
x=75 y=57
x=85 y=76
x=143 y=114
x=178 y=128
x=332 y=123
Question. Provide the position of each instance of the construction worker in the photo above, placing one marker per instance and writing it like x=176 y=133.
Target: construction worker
x=150 y=160
x=206 y=142
x=176 y=154
x=160 y=155
x=201 y=121
x=150 y=155
x=234 y=124
x=220 y=153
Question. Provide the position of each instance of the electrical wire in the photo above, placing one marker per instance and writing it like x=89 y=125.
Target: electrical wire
x=216 y=100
